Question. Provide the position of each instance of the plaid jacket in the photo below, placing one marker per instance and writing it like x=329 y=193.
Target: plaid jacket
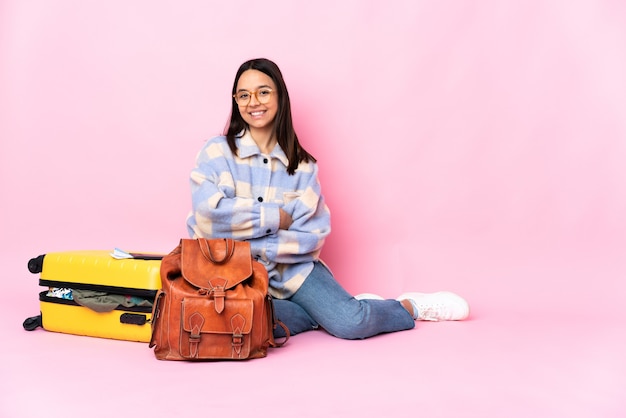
x=238 y=196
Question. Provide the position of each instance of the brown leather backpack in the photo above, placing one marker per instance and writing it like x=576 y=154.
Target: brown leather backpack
x=213 y=304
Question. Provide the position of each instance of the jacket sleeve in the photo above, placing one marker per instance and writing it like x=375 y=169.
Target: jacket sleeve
x=216 y=210
x=305 y=237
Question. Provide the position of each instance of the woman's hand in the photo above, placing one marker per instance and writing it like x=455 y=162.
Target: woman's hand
x=285 y=220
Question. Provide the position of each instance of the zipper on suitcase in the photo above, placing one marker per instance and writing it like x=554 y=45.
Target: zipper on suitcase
x=144 y=293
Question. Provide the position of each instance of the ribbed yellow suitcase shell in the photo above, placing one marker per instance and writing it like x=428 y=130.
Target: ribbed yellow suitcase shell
x=97 y=270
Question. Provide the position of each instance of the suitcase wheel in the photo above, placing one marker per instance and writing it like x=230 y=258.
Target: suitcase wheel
x=32 y=323
x=35 y=265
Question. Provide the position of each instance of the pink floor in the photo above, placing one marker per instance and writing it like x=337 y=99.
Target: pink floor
x=517 y=356
x=477 y=147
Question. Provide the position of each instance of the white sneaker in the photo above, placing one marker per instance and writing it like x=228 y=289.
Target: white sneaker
x=368 y=296
x=439 y=306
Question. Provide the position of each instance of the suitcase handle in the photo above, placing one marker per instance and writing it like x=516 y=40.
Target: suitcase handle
x=134 y=319
x=142 y=256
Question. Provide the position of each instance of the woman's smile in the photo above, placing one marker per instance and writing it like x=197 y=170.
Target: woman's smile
x=257 y=114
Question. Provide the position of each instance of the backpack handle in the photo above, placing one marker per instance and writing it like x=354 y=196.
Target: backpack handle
x=205 y=248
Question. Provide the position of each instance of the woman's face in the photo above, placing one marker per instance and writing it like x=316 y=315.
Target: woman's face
x=260 y=111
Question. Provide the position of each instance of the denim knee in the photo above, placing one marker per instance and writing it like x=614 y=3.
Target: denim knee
x=293 y=317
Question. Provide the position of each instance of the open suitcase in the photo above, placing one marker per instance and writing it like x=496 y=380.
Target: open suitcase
x=101 y=281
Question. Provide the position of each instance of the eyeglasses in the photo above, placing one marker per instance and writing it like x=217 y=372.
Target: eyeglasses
x=262 y=96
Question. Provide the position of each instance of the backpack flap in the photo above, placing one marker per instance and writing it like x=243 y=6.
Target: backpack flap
x=203 y=261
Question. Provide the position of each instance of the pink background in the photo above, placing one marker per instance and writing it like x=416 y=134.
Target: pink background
x=473 y=146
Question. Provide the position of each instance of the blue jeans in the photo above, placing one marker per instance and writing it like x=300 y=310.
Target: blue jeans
x=322 y=302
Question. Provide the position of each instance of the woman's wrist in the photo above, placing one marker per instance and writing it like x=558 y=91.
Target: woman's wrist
x=285 y=219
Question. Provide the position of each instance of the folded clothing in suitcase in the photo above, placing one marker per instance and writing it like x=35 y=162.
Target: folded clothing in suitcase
x=94 y=294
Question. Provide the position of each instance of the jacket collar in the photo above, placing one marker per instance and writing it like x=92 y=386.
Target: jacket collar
x=247 y=148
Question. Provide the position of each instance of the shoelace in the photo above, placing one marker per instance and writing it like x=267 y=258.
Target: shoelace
x=433 y=313
x=427 y=314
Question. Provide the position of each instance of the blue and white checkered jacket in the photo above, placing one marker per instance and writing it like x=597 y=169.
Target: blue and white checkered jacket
x=239 y=197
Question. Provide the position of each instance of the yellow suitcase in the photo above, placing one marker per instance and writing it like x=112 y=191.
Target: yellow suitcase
x=133 y=281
